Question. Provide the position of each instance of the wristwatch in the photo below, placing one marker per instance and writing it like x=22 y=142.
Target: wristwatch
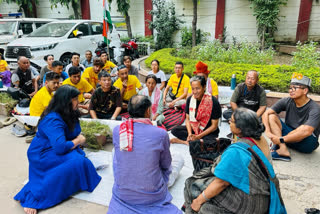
x=281 y=140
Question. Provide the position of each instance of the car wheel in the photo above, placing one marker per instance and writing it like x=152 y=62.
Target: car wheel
x=66 y=59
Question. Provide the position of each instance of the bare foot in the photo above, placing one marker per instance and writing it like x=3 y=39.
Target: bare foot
x=177 y=140
x=283 y=151
x=30 y=210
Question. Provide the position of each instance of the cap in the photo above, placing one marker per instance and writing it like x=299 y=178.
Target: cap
x=298 y=78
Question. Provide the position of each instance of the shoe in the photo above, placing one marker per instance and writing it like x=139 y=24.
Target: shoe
x=276 y=156
x=9 y=120
x=18 y=131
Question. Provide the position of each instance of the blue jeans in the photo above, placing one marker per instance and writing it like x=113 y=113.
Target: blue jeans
x=307 y=145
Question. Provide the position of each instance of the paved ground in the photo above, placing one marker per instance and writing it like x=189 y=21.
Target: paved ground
x=299 y=180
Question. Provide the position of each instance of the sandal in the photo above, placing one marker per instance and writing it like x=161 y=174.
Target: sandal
x=276 y=156
x=9 y=120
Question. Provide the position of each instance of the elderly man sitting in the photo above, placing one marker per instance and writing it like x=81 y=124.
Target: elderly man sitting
x=141 y=164
x=301 y=128
x=248 y=95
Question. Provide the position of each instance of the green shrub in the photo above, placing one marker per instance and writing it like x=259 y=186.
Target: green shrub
x=186 y=37
x=242 y=52
x=306 y=56
x=90 y=129
x=272 y=77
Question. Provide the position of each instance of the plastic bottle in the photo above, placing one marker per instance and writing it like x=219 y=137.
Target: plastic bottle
x=1 y=83
x=233 y=81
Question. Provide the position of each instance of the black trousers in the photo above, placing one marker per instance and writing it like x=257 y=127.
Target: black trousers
x=181 y=132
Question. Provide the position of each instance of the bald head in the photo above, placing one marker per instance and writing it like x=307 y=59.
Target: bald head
x=251 y=79
x=23 y=63
x=138 y=106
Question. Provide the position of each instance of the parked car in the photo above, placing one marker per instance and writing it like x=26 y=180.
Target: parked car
x=59 y=38
x=14 y=28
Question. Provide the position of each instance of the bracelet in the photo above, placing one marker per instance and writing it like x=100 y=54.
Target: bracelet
x=204 y=196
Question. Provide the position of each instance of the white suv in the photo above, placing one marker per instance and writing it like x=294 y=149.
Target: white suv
x=59 y=38
x=14 y=28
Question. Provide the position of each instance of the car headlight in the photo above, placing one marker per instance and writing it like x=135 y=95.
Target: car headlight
x=44 y=47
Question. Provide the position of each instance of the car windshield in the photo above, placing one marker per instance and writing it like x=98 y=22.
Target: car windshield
x=52 y=30
x=7 y=27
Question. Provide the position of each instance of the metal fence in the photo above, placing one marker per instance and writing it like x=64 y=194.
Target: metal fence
x=144 y=48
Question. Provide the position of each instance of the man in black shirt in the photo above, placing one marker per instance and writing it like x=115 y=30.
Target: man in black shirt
x=23 y=77
x=248 y=95
x=301 y=128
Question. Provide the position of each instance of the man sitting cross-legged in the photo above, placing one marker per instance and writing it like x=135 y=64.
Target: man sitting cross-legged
x=202 y=115
x=301 y=128
x=42 y=98
x=128 y=85
x=106 y=100
x=141 y=164
x=82 y=85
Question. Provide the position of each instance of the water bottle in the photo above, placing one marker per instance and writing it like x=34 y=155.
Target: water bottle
x=233 y=81
x=1 y=84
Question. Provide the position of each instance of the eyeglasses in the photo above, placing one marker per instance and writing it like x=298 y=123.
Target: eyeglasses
x=294 y=88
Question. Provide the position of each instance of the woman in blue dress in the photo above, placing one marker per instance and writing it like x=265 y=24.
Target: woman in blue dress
x=58 y=168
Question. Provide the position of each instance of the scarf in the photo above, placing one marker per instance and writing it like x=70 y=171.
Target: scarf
x=6 y=79
x=199 y=123
x=209 y=86
x=155 y=98
x=126 y=132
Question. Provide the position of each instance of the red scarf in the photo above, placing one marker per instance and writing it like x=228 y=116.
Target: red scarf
x=126 y=132
x=203 y=114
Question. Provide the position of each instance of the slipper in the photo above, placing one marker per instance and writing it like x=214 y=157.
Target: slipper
x=276 y=156
x=29 y=138
x=274 y=147
x=1 y=125
x=9 y=120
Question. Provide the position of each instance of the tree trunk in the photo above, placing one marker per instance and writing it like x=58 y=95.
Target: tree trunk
x=34 y=8
x=75 y=7
x=27 y=12
x=194 y=23
x=127 y=17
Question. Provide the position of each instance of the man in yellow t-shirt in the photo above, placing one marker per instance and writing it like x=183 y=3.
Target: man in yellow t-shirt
x=42 y=98
x=82 y=85
x=108 y=65
x=211 y=86
x=91 y=73
x=128 y=85
x=181 y=92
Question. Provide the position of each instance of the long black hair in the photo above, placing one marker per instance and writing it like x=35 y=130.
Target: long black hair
x=61 y=103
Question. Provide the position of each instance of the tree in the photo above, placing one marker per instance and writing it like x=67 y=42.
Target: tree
x=75 y=4
x=27 y=6
x=123 y=8
x=194 y=22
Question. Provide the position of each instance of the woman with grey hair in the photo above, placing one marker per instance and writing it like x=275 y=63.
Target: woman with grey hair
x=242 y=179
x=202 y=115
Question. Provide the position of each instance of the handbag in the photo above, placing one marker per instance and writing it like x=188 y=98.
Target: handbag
x=204 y=152
x=171 y=95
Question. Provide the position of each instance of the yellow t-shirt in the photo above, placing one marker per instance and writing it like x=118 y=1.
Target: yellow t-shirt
x=91 y=76
x=40 y=101
x=214 y=87
x=108 y=66
x=3 y=65
x=83 y=86
x=174 y=82
x=132 y=85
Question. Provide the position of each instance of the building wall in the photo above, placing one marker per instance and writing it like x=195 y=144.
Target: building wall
x=239 y=21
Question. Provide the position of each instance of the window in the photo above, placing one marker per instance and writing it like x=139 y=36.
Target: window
x=96 y=28
x=39 y=24
x=26 y=27
x=84 y=28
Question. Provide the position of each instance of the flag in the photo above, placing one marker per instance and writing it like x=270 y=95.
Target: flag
x=107 y=23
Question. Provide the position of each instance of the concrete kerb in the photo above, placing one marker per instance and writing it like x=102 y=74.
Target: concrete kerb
x=142 y=72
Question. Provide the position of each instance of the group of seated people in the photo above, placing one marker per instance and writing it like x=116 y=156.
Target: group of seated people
x=142 y=159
